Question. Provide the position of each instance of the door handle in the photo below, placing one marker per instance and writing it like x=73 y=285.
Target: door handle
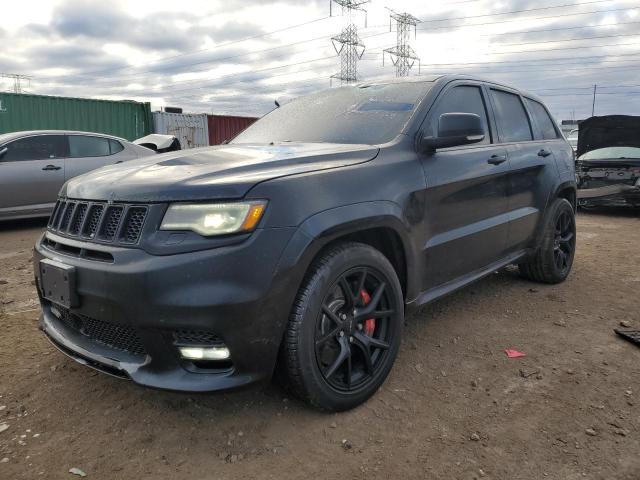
x=497 y=159
x=51 y=167
x=544 y=153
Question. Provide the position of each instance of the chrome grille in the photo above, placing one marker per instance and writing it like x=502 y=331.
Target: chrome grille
x=98 y=221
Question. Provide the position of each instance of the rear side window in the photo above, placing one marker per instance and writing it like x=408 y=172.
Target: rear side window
x=462 y=99
x=115 y=146
x=39 y=147
x=542 y=119
x=85 y=146
x=512 y=119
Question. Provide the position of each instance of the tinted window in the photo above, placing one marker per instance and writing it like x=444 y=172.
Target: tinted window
x=39 y=147
x=542 y=119
x=368 y=114
x=463 y=99
x=115 y=146
x=511 y=117
x=84 y=146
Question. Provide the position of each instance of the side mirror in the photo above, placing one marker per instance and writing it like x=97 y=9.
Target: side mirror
x=455 y=129
x=3 y=150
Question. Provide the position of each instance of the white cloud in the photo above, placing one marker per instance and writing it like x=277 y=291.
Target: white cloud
x=189 y=53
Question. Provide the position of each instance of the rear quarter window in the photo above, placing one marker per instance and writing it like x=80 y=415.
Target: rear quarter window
x=86 y=146
x=512 y=119
x=115 y=147
x=543 y=120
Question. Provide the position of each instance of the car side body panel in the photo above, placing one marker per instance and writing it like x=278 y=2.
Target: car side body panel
x=29 y=188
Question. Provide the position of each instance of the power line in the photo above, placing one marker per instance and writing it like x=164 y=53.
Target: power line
x=570 y=39
x=548 y=17
x=551 y=7
x=370 y=36
x=194 y=52
x=541 y=60
x=317 y=38
x=546 y=30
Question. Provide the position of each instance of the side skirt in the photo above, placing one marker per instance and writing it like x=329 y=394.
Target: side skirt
x=450 y=287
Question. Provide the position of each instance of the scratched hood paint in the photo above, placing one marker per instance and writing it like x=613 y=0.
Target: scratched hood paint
x=224 y=172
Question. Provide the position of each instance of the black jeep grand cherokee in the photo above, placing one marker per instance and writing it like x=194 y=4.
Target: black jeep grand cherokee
x=301 y=245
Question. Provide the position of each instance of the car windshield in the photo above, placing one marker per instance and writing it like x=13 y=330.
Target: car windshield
x=363 y=114
x=612 y=153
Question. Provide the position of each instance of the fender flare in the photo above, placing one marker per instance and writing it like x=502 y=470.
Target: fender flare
x=552 y=196
x=324 y=227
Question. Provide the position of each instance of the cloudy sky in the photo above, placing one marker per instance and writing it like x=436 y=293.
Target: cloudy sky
x=237 y=56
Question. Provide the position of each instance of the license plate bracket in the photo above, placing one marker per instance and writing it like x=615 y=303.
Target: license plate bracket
x=58 y=283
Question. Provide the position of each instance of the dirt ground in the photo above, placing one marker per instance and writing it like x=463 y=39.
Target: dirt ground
x=454 y=406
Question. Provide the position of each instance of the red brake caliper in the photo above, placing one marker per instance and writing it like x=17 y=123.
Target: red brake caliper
x=370 y=323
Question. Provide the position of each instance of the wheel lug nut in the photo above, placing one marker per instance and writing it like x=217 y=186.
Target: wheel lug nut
x=341 y=333
x=350 y=339
x=359 y=327
x=343 y=317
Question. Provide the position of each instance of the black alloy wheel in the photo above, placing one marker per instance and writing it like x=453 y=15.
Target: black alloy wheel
x=345 y=327
x=353 y=331
x=564 y=241
x=553 y=258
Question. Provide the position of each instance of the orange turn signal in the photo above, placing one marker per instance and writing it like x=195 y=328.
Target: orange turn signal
x=254 y=216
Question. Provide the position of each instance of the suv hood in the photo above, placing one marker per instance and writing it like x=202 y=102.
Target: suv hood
x=224 y=172
x=608 y=131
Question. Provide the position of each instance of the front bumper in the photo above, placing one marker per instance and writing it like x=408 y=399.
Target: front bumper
x=230 y=292
x=615 y=195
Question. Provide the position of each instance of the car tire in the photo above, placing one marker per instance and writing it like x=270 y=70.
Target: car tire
x=339 y=348
x=552 y=261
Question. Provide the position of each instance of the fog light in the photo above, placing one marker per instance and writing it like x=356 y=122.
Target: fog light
x=205 y=353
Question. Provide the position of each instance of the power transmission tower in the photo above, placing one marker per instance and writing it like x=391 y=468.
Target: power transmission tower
x=402 y=55
x=348 y=44
x=17 y=80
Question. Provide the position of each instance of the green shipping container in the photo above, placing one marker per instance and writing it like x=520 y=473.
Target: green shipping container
x=126 y=119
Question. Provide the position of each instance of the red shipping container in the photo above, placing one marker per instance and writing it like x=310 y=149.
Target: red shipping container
x=225 y=127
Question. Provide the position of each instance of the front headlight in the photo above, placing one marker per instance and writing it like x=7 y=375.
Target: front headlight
x=214 y=218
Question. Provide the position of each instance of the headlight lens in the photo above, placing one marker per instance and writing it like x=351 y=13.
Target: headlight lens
x=213 y=218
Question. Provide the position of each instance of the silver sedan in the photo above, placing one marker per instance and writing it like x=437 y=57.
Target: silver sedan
x=34 y=166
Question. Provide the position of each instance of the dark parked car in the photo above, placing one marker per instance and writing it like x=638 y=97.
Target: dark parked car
x=300 y=246
x=608 y=164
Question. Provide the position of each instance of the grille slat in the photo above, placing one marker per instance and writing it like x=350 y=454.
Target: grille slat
x=118 y=337
x=133 y=224
x=93 y=221
x=99 y=221
x=78 y=218
x=110 y=223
